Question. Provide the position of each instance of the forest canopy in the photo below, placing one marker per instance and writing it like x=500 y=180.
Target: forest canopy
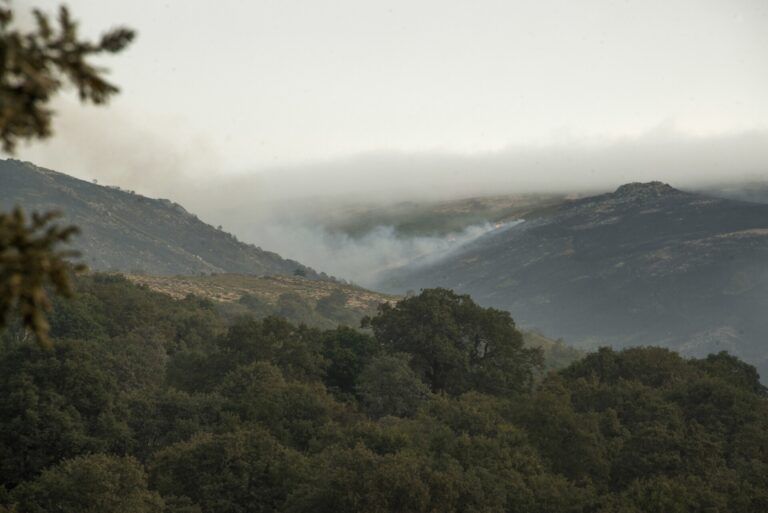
x=148 y=404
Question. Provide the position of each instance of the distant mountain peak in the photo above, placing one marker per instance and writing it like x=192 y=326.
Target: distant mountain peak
x=646 y=189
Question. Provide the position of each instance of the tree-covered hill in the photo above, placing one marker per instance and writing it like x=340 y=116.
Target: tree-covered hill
x=124 y=231
x=151 y=404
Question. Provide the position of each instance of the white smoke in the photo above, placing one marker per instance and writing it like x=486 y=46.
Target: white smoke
x=361 y=259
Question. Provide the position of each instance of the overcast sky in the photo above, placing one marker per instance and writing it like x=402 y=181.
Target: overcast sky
x=238 y=87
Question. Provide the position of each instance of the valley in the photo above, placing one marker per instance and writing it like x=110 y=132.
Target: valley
x=647 y=264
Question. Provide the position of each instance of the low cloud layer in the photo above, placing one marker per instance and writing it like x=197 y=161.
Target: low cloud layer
x=293 y=200
x=577 y=165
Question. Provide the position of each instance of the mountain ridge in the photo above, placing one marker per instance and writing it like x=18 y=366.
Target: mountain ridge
x=125 y=231
x=645 y=264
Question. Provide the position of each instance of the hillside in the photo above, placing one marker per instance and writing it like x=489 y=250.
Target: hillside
x=755 y=191
x=319 y=303
x=129 y=232
x=232 y=287
x=428 y=218
x=646 y=264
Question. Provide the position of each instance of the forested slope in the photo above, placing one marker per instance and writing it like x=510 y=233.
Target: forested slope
x=149 y=404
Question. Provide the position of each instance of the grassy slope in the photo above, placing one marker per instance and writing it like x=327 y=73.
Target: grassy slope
x=231 y=287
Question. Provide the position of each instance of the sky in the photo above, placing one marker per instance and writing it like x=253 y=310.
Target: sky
x=253 y=85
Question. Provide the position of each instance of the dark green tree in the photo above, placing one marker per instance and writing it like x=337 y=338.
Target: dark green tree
x=388 y=386
x=97 y=483
x=347 y=352
x=240 y=472
x=55 y=404
x=291 y=306
x=457 y=345
x=334 y=307
x=356 y=480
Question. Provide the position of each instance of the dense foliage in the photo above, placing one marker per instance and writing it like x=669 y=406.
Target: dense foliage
x=147 y=404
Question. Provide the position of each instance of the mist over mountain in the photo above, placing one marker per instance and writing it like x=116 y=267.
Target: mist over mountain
x=125 y=231
x=754 y=191
x=646 y=264
x=311 y=211
x=359 y=241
